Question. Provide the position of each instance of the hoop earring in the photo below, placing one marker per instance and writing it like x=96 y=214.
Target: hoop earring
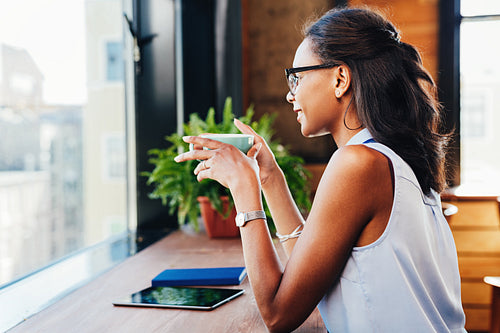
x=345 y=113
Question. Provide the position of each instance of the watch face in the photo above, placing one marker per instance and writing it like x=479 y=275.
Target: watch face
x=240 y=219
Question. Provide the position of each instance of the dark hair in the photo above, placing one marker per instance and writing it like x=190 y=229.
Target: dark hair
x=395 y=97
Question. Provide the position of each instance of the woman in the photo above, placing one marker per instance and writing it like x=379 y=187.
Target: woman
x=376 y=253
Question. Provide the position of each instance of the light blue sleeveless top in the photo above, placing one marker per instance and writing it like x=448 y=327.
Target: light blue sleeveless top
x=408 y=279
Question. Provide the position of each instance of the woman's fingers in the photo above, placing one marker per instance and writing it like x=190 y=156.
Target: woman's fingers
x=193 y=155
x=254 y=151
x=200 y=167
x=222 y=162
x=199 y=141
x=221 y=156
x=197 y=152
x=244 y=128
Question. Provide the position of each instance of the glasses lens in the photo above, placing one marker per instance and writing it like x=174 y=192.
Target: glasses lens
x=293 y=81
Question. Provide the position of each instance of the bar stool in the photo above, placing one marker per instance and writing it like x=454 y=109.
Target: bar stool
x=449 y=210
x=494 y=281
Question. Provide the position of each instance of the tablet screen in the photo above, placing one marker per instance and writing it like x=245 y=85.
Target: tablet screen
x=180 y=297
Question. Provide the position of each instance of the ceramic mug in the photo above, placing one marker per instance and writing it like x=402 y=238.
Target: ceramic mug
x=241 y=141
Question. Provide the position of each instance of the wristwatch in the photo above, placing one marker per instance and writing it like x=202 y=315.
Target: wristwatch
x=243 y=218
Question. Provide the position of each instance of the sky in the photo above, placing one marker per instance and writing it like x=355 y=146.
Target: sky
x=52 y=31
x=479 y=7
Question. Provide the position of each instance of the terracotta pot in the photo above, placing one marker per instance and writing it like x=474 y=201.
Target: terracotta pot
x=216 y=225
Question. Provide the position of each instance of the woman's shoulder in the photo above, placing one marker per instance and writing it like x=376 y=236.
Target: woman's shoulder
x=359 y=170
x=357 y=183
x=358 y=158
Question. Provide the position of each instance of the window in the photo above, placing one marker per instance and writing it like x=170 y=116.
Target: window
x=113 y=156
x=480 y=94
x=63 y=181
x=469 y=85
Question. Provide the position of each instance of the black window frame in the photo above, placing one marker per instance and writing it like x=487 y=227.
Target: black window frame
x=449 y=81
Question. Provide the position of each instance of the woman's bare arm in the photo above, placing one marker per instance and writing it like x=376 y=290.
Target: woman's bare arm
x=354 y=191
x=348 y=197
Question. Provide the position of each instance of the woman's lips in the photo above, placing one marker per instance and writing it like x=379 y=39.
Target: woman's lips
x=299 y=114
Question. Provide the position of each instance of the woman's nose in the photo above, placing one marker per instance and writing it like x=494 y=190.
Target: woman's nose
x=290 y=98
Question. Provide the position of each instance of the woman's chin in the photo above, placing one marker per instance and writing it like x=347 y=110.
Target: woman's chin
x=312 y=134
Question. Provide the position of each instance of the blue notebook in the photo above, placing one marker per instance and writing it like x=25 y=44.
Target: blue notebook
x=200 y=277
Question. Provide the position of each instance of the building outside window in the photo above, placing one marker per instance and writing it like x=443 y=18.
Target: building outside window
x=114 y=158
x=114 y=61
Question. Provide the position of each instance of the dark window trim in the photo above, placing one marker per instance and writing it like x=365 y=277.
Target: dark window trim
x=449 y=81
x=208 y=28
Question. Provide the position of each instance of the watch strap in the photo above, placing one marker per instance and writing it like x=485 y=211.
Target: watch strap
x=243 y=218
x=254 y=215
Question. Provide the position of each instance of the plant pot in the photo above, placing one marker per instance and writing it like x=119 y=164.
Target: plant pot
x=216 y=225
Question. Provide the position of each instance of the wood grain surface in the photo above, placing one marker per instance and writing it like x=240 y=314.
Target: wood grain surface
x=90 y=309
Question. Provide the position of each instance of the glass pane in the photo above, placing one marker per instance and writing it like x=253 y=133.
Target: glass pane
x=479 y=7
x=480 y=104
x=114 y=61
x=62 y=130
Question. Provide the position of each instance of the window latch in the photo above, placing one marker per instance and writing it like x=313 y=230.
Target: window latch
x=139 y=42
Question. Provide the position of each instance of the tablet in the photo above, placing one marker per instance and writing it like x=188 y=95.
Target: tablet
x=180 y=297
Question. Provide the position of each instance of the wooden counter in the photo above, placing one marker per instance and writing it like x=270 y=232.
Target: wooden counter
x=476 y=230
x=89 y=308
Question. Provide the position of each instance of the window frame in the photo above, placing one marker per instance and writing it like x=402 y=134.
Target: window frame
x=449 y=81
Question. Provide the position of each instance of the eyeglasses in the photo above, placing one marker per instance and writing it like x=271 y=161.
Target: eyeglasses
x=293 y=80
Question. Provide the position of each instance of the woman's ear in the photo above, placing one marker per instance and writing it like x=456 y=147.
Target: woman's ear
x=342 y=80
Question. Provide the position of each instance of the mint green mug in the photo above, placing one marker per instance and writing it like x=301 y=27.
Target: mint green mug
x=241 y=141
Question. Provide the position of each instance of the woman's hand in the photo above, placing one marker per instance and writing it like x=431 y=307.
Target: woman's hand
x=223 y=162
x=265 y=157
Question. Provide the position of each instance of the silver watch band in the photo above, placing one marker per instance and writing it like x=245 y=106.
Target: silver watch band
x=257 y=214
x=242 y=218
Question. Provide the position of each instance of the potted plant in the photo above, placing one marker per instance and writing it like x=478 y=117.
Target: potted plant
x=176 y=185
